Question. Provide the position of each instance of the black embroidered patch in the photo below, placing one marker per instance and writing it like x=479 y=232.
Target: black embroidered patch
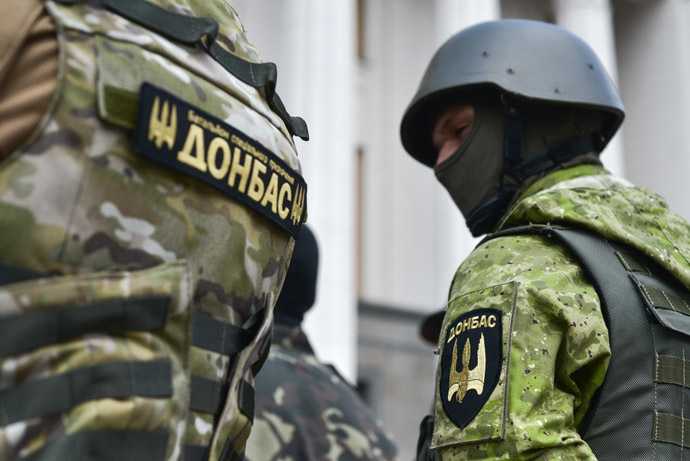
x=187 y=139
x=470 y=364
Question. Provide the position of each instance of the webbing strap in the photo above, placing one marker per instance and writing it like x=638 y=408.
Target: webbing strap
x=192 y=30
x=559 y=153
x=264 y=349
x=24 y=332
x=666 y=300
x=214 y=335
x=512 y=138
x=104 y=446
x=186 y=29
x=672 y=429
x=672 y=370
x=207 y=396
x=426 y=431
x=195 y=452
x=64 y=391
x=246 y=399
x=631 y=263
x=13 y=274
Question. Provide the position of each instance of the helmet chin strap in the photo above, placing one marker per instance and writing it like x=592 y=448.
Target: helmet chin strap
x=484 y=216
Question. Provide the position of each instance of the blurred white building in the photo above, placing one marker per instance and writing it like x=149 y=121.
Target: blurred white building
x=390 y=237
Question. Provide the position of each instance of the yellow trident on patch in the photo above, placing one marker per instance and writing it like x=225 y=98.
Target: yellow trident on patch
x=159 y=128
x=298 y=206
x=467 y=379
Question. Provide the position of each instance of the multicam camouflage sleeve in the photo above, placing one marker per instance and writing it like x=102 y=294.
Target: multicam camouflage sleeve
x=148 y=225
x=523 y=348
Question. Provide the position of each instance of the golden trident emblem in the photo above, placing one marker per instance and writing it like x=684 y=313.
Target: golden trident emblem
x=159 y=128
x=467 y=379
x=297 y=206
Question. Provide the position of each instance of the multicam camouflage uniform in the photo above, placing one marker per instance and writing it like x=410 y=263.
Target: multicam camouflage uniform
x=554 y=341
x=125 y=351
x=305 y=411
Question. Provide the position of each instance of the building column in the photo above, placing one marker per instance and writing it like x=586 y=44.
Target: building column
x=654 y=47
x=591 y=20
x=455 y=15
x=324 y=55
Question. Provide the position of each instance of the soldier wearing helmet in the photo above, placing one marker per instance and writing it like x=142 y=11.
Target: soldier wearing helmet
x=305 y=410
x=565 y=328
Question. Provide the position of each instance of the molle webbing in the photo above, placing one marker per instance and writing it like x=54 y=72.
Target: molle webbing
x=209 y=396
x=672 y=429
x=59 y=393
x=104 y=446
x=202 y=32
x=12 y=274
x=213 y=335
x=49 y=396
x=224 y=338
x=637 y=413
x=31 y=330
x=672 y=370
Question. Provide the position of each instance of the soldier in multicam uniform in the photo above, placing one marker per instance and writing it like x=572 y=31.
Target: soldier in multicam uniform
x=304 y=409
x=565 y=329
x=150 y=195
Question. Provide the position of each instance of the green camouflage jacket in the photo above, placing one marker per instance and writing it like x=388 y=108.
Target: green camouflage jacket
x=305 y=411
x=528 y=328
x=144 y=341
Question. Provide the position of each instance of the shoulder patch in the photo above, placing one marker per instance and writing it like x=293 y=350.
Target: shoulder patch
x=183 y=137
x=471 y=363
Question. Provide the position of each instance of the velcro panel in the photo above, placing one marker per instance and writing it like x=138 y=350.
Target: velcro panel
x=671 y=429
x=672 y=370
x=67 y=390
x=121 y=106
x=31 y=330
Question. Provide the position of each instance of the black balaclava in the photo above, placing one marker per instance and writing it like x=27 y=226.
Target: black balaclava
x=475 y=176
x=299 y=290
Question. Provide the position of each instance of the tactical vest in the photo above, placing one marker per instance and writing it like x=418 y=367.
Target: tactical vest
x=638 y=413
x=146 y=232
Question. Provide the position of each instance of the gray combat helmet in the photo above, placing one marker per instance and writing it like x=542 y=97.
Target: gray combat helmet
x=529 y=61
